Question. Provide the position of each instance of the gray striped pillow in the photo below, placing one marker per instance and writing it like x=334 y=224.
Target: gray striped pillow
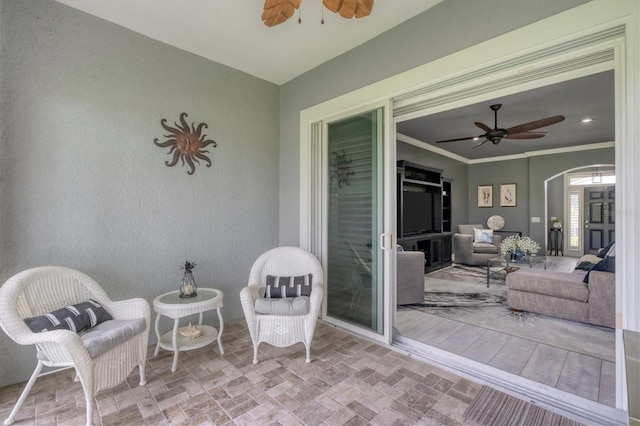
x=283 y=287
x=76 y=318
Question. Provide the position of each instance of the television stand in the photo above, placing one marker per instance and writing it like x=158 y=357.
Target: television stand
x=436 y=247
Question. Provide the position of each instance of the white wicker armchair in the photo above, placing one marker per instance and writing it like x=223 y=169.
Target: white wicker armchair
x=38 y=291
x=283 y=330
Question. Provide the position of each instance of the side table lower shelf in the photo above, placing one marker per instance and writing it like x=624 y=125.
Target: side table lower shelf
x=209 y=334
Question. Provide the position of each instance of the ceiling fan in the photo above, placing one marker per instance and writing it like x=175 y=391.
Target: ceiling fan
x=521 y=131
x=277 y=11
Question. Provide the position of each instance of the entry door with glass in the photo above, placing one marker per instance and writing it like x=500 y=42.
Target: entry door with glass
x=590 y=211
x=599 y=218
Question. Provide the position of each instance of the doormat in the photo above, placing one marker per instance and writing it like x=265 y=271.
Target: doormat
x=492 y=407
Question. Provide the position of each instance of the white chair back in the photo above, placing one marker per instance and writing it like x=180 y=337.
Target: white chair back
x=41 y=290
x=285 y=262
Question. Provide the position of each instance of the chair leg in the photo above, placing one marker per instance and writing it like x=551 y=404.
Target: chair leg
x=308 y=347
x=143 y=379
x=25 y=393
x=255 y=353
x=88 y=397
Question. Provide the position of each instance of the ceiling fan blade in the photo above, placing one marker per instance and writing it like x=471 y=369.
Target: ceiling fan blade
x=459 y=139
x=535 y=124
x=481 y=143
x=483 y=126
x=349 y=8
x=275 y=12
x=526 y=135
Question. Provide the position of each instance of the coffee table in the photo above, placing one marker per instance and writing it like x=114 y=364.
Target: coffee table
x=172 y=306
x=506 y=262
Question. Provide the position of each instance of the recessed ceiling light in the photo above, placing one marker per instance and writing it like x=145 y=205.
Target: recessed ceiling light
x=476 y=138
x=587 y=120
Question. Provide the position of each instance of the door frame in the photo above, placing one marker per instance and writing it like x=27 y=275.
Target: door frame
x=565 y=39
x=566 y=175
x=313 y=230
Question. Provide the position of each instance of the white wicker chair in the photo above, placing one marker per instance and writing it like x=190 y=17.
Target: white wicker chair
x=282 y=330
x=42 y=290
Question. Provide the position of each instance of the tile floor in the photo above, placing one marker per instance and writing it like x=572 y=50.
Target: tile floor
x=578 y=374
x=350 y=381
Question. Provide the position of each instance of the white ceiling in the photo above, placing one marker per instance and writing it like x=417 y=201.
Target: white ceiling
x=231 y=32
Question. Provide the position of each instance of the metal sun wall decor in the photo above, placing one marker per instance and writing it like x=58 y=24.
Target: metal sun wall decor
x=186 y=142
x=341 y=169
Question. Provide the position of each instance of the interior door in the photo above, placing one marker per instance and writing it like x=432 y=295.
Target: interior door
x=599 y=217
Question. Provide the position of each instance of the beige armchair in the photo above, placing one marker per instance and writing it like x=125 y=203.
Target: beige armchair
x=468 y=252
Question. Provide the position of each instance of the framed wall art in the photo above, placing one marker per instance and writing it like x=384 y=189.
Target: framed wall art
x=485 y=195
x=507 y=195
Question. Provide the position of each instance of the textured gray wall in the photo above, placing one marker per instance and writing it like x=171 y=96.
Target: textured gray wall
x=82 y=184
x=448 y=27
x=555 y=199
x=497 y=173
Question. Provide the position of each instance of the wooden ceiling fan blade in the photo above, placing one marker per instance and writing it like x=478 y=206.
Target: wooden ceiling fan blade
x=535 y=124
x=526 y=135
x=483 y=126
x=275 y=12
x=349 y=8
x=459 y=139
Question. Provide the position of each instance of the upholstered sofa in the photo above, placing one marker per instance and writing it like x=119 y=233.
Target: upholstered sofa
x=564 y=294
x=468 y=252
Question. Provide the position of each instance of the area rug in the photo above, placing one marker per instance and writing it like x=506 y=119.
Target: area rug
x=470 y=288
x=460 y=293
x=492 y=407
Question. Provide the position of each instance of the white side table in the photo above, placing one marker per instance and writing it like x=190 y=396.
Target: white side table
x=172 y=306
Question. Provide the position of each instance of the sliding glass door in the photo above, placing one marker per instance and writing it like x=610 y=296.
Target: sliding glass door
x=355 y=220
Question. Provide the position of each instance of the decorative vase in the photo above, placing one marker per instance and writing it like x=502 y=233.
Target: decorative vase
x=519 y=254
x=188 y=285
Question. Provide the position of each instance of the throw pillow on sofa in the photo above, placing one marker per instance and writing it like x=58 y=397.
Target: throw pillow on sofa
x=604 y=251
x=482 y=235
x=608 y=264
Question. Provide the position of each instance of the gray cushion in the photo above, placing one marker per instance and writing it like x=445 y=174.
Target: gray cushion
x=485 y=248
x=563 y=285
x=289 y=306
x=109 y=334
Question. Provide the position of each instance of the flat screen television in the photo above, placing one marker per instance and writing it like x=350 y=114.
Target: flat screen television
x=419 y=212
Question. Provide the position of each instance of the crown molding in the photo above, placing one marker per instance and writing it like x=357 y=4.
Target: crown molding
x=423 y=145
